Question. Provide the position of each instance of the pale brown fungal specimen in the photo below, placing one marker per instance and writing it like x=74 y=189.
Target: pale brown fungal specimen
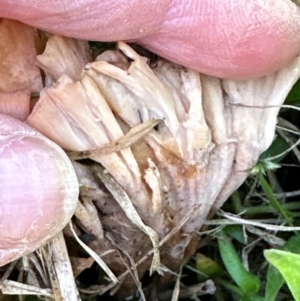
x=211 y=134
x=168 y=146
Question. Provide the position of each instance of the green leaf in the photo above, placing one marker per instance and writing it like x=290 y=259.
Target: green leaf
x=294 y=96
x=274 y=202
x=274 y=278
x=292 y=245
x=236 y=232
x=252 y=298
x=248 y=282
x=207 y=266
x=289 y=266
x=274 y=283
x=278 y=147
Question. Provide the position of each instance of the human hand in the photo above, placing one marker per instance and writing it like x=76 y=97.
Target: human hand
x=233 y=39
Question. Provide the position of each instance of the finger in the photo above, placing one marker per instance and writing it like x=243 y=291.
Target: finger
x=229 y=39
x=101 y=20
x=234 y=39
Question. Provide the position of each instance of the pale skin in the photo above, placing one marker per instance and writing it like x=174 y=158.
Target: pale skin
x=236 y=39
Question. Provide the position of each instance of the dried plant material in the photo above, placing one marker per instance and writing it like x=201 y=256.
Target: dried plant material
x=16 y=105
x=124 y=201
x=136 y=277
x=81 y=264
x=152 y=178
x=64 y=56
x=131 y=268
x=40 y=39
x=96 y=257
x=89 y=185
x=60 y=266
x=136 y=133
x=28 y=274
x=241 y=221
x=88 y=216
x=9 y=287
x=18 y=71
x=271 y=239
x=37 y=260
x=162 y=242
x=116 y=59
x=200 y=289
x=176 y=291
x=8 y=271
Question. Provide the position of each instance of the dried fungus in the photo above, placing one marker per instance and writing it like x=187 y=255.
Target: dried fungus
x=209 y=133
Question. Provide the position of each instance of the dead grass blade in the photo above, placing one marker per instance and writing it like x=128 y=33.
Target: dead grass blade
x=242 y=221
x=176 y=290
x=59 y=265
x=96 y=257
x=124 y=201
x=134 y=135
x=9 y=287
x=131 y=267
